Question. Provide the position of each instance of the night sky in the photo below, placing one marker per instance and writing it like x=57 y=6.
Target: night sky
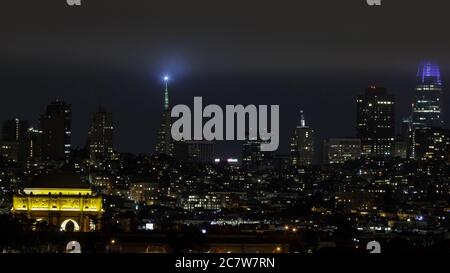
x=314 y=55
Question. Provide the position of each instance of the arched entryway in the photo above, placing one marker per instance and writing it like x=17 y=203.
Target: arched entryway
x=70 y=225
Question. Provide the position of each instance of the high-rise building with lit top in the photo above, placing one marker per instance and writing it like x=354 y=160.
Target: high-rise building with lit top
x=302 y=144
x=34 y=144
x=427 y=108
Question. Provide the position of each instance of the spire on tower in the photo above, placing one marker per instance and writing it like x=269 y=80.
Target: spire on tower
x=302 y=119
x=166 y=93
x=164 y=143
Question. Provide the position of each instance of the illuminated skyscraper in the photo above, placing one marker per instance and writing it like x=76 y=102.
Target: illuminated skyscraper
x=302 y=144
x=164 y=144
x=375 y=121
x=101 y=137
x=427 y=106
x=34 y=144
x=55 y=125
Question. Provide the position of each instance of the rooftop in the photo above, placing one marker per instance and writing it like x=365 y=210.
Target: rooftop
x=59 y=179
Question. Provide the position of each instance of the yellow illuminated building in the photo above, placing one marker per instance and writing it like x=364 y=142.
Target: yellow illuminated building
x=62 y=200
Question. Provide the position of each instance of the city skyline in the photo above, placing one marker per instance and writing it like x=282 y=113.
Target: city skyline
x=221 y=146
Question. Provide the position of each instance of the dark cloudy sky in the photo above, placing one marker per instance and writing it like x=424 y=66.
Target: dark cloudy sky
x=314 y=55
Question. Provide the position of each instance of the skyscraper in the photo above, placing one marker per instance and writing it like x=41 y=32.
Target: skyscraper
x=55 y=125
x=15 y=135
x=14 y=130
x=164 y=144
x=302 y=144
x=405 y=129
x=101 y=137
x=405 y=139
x=427 y=106
x=375 y=121
x=252 y=157
x=34 y=144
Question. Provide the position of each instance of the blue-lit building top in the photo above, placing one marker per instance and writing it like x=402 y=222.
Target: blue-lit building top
x=429 y=73
x=427 y=106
